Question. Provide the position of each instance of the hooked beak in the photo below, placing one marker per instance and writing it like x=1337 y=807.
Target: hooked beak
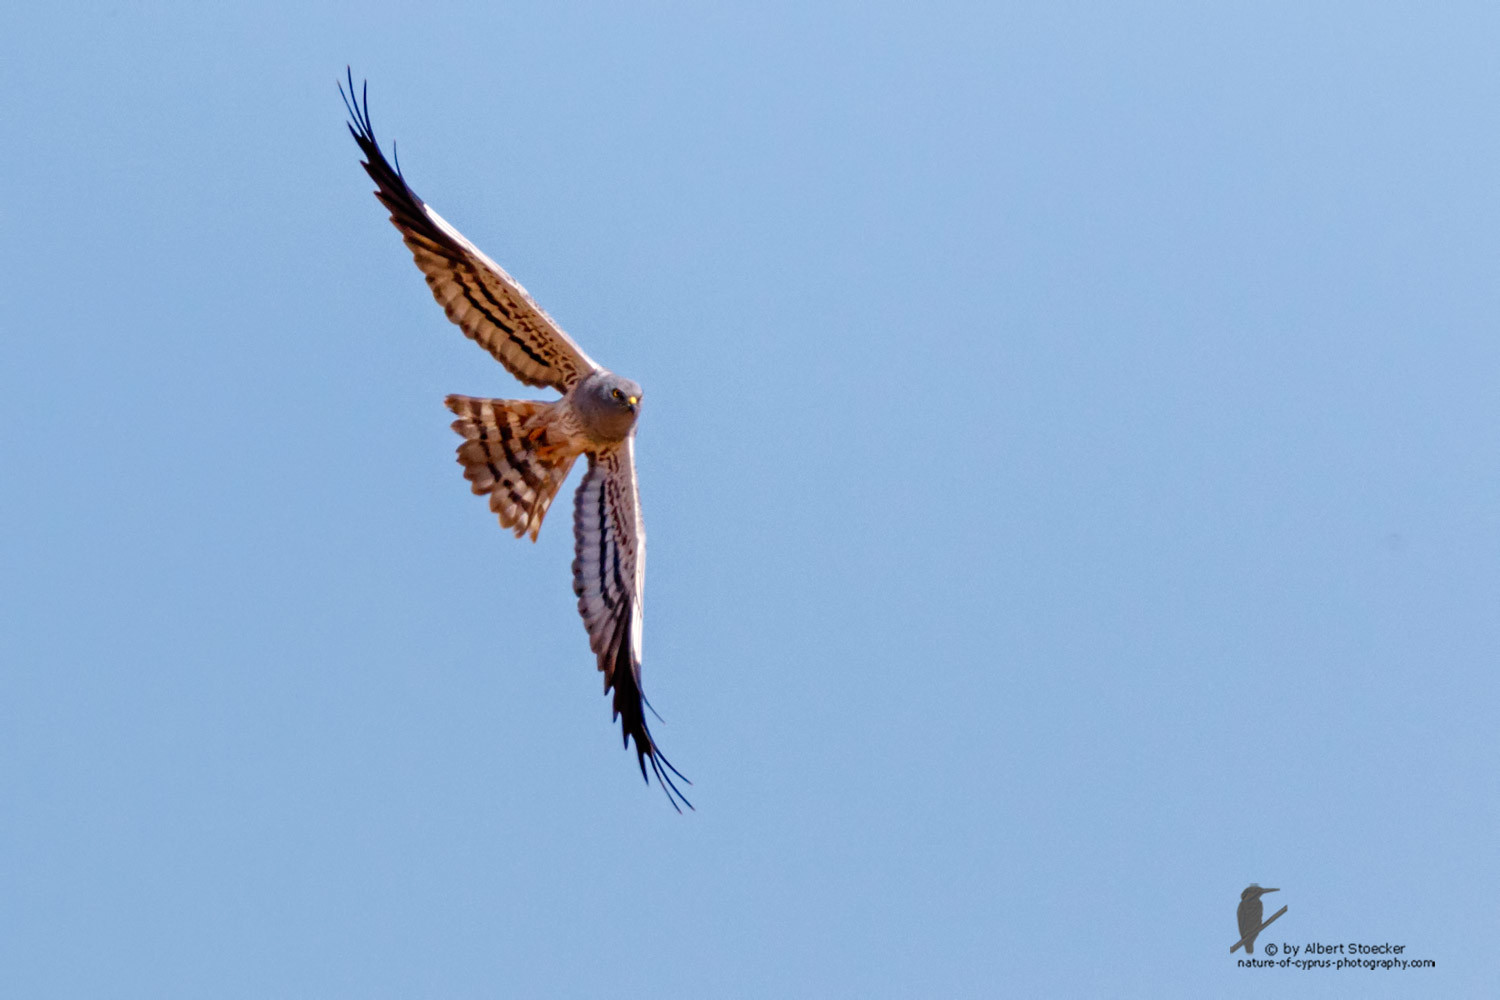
x=632 y=400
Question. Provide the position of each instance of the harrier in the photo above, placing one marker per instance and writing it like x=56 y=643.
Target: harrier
x=518 y=451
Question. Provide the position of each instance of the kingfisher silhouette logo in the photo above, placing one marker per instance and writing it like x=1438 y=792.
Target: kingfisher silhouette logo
x=1249 y=915
x=1310 y=954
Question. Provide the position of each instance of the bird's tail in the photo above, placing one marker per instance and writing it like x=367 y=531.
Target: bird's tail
x=508 y=454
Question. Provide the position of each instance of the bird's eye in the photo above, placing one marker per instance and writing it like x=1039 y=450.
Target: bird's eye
x=618 y=394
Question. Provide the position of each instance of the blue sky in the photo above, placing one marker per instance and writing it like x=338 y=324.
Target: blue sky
x=1069 y=455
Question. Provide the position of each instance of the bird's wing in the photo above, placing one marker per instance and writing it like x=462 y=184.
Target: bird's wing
x=609 y=576
x=1248 y=916
x=489 y=305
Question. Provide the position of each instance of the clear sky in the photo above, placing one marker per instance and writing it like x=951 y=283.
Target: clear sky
x=1070 y=454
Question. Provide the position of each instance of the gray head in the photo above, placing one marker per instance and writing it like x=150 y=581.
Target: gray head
x=1253 y=891
x=608 y=404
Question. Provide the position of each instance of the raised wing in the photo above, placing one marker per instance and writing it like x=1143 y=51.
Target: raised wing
x=489 y=305
x=609 y=577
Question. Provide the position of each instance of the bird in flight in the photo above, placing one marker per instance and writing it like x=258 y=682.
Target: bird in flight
x=519 y=451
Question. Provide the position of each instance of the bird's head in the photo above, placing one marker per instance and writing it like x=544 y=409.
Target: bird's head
x=609 y=404
x=1253 y=891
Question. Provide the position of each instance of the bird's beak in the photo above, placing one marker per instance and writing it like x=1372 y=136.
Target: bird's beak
x=1264 y=891
x=632 y=400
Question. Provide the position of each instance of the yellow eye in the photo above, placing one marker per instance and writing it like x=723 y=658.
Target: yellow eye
x=618 y=394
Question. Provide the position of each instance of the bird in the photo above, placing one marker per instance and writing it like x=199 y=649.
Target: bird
x=1249 y=913
x=518 y=452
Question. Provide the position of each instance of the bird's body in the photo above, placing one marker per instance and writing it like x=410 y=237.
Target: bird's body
x=1249 y=915
x=519 y=452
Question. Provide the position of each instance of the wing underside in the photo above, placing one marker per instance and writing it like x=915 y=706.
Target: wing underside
x=608 y=576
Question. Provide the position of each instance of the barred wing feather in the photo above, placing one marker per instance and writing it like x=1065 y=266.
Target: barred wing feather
x=489 y=305
x=609 y=574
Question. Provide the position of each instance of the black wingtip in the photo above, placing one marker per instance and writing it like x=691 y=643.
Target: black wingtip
x=629 y=705
x=357 y=103
x=669 y=788
x=666 y=783
x=407 y=210
x=350 y=105
x=634 y=728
